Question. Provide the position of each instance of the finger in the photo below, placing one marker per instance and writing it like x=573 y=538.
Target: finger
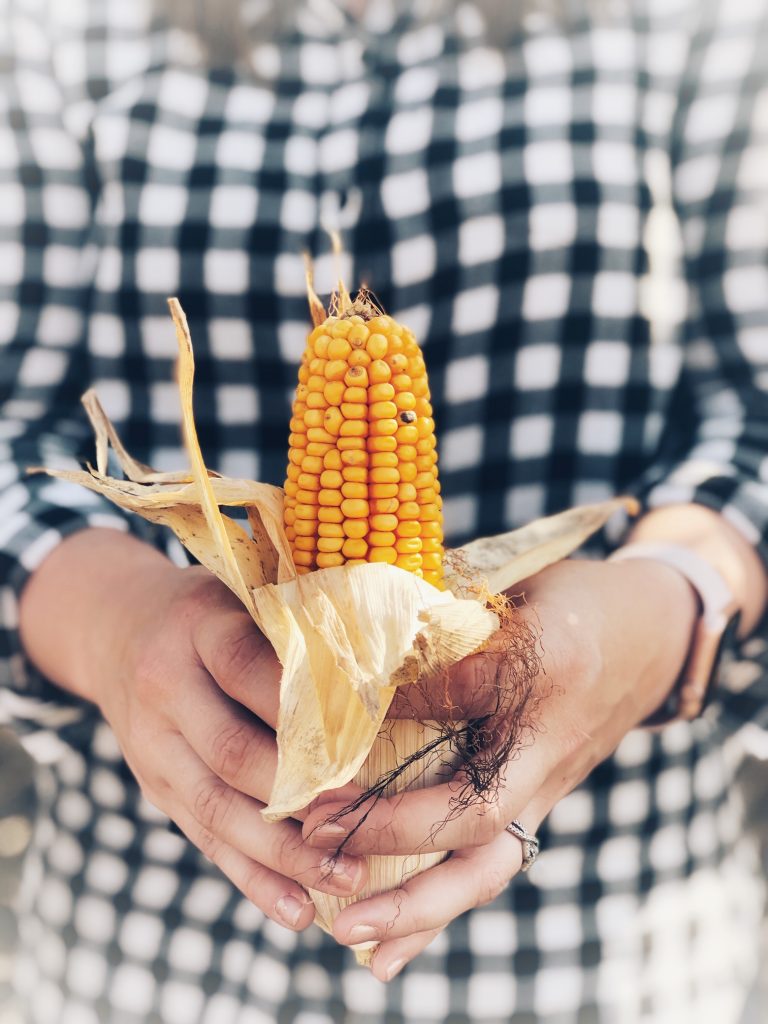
x=431 y=900
x=489 y=683
x=449 y=816
x=242 y=662
x=226 y=815
x=392 y=956
x=235 y=745
x=280 y=898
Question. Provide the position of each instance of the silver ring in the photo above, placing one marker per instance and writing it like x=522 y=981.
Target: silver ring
x=529 y=843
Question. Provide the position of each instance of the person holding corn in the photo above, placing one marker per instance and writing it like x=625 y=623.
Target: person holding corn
x=498 y=173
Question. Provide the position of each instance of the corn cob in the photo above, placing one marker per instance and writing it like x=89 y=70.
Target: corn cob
x=361 y=481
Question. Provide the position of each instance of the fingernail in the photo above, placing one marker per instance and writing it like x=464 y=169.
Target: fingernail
x=289 y=909
x=394 y=968
x=342 y=868
x=362 y=933
x=328 y=830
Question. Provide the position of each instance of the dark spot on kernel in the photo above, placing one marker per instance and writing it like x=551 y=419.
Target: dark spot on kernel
x=355 y=371
x=409 y=416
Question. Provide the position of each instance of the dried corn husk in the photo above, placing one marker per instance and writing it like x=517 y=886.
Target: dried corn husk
x=346 y=637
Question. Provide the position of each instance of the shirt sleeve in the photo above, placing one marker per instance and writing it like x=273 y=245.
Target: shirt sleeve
x=718 y=455
x=46 y=201
x=719 y=458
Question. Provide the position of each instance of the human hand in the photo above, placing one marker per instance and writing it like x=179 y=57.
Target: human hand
x=190 y=688
x=614 y=638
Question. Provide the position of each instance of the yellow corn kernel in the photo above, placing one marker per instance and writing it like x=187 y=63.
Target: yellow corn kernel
x=358 y=336
x=297 y=425
x=407 y=472
x=320 y=435
x=408 y=562
x=330 y=530
x=397 y=362
x=355 y=528
x=306 y=497
x=381 y=539
x=401 y=382
x=329 y=496
x=406 y=492
x=303 y=557
x=320 y=345
x=315 y=448
x=305 y=510
x=309 y=481
x=432 y=529
x=354 y=474
x=335 y=369
x=376 y=346
x=354 y=458
x=380 y=443
x=429 y=546
x=339 y=348
x=382 y=410
x=330 y=543
x=312 y=464
x=354 y=427
x=408 y=545
x=290 y=533
x=305 y=527
x=353 y=489
x=354 y=548
x=359 y=357
x=340 y=329
x=405 y=401
x=333 y=392
x=429 y=512
x=291 y=488
x=427 y=496
x=328 y=559
x=385 y=523
x=379 y=372
x=409 y=528
x=384 y=475
x=388 y=459
x=306 y=543
x=356 y=395
x=331 y=478
x=355 y=508
x=297 y=440
x=431 y=561
x=333 y=420
x=383 y=490
x=356 y=377
x=409 y=510
x=384 y=506
x=383 y=428
x=407 y=433
x=382 y=555
x=292 y=472
x=354 y=410
x=345 y=444
x=381 y=393
x=332 y=459
x=330 y=514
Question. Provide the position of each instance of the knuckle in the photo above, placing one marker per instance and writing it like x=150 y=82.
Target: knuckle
x=211 y=804
x=207 y=843
x=236 y=658
x=230 y=750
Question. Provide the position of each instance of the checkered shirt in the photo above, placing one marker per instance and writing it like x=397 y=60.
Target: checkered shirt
x=504 y=202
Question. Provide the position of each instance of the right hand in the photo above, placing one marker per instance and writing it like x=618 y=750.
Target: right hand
x=190 y=687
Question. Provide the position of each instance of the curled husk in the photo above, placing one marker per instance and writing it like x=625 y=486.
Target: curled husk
x=346 y=637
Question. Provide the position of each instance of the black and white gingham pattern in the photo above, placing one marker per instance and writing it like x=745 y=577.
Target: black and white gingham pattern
x=499 y=202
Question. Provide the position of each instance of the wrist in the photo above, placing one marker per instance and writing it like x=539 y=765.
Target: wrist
x=665 y=613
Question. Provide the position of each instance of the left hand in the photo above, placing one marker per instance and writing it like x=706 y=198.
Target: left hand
x=614 y=638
